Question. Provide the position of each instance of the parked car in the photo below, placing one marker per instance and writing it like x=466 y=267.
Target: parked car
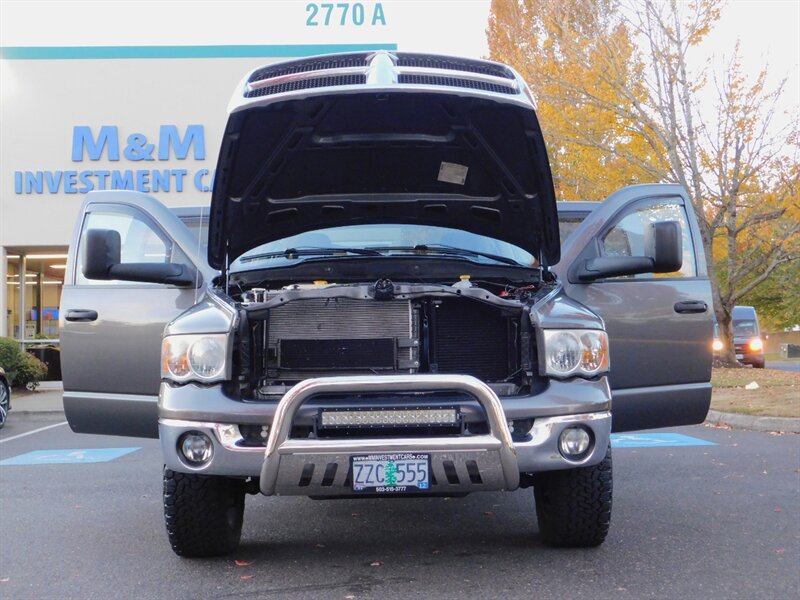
x=747 y=339
x=5 y=397
x=384 y=307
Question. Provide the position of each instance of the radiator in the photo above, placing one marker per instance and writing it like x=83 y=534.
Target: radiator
x=318 y=337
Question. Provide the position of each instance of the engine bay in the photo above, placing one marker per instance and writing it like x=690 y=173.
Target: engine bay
x=297 y=331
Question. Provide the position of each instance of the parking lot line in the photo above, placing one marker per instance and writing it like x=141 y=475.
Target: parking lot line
x=21 y=435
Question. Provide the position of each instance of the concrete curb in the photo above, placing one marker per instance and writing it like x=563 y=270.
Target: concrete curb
x=16 y=412
x=771 y=424
x=44 y=401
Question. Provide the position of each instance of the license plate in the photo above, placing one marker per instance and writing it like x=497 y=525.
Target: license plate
x=739 y=356
x=391 y=473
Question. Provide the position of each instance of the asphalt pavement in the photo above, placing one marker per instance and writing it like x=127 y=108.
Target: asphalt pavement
x=784 y=365
x=710 y=521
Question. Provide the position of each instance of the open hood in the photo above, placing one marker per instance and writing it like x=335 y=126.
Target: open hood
x=390 y=153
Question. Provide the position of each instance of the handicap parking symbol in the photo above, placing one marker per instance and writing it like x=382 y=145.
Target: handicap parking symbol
x=68 y=456
x=655 y=440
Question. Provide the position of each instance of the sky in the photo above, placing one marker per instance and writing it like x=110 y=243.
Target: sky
x=769 y=34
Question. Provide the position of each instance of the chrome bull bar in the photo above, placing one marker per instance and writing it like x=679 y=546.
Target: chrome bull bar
x=286 y=459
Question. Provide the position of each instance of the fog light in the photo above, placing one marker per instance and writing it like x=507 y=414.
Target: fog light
x=196 y=447
x=574 y=442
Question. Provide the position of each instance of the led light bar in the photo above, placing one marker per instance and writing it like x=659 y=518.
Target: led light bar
x=391 y=417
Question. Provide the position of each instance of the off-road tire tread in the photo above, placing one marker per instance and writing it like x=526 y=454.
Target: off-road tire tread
x=203 y=514
x=573 y=506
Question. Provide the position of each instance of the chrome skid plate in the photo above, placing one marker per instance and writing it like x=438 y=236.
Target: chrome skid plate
x=314 y=467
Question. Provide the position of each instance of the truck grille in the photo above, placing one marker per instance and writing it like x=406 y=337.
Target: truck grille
x=430 y=61
x=305 y=84
x=381 y=69
x=323 y=63
x=472 y=84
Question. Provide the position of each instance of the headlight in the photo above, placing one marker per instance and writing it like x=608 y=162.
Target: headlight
x=717 y=345
x=756 y=344
x=195 y=357
x=575 y=352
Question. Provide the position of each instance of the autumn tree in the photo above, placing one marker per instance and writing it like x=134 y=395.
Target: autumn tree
x=618 y=98
x=559 y=49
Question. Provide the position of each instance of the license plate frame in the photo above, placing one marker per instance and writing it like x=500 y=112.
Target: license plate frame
x=739 y=356
x=366 y=476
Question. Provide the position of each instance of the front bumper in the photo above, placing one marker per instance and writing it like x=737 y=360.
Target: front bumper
x=283 y=465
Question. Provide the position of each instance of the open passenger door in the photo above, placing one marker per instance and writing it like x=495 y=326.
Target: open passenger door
x=660 y=326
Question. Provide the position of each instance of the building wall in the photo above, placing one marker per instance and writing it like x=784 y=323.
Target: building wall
x=772 y=345
x=41 y=187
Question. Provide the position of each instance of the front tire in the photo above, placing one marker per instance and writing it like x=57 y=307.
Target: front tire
x=573 y=507
x=203 y=513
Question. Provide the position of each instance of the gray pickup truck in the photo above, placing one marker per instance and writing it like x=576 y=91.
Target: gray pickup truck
x=383 y=306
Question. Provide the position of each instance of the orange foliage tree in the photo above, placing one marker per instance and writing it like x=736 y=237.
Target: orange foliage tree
x=617 y=97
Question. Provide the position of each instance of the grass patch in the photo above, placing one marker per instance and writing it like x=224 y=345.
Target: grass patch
x=777 y=394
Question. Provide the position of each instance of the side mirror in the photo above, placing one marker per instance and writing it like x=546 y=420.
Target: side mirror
x=664 y=255
x=102 y=261
x=666 y=246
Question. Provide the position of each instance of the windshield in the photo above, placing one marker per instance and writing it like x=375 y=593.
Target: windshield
x=744 y=328
x=387 y=239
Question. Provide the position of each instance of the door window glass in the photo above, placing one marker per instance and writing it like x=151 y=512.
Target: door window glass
x=629 y=236
x=140 y=242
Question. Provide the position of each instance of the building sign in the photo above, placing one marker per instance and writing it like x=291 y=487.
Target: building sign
x=140 y=154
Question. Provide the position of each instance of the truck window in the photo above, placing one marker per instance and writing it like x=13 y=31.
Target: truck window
x=627 y=237
x=141 y=242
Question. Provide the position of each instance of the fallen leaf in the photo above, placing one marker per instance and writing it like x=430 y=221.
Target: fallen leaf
x=488 y=513
x=777 y=510
x=320 y=546
x=377 y=563
x=622 y=589
x=246 y=577
x=780 y=550
x=349 y=597
x=243 y=563
x=355 y=514
x=5 y=579
x=436 y=552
